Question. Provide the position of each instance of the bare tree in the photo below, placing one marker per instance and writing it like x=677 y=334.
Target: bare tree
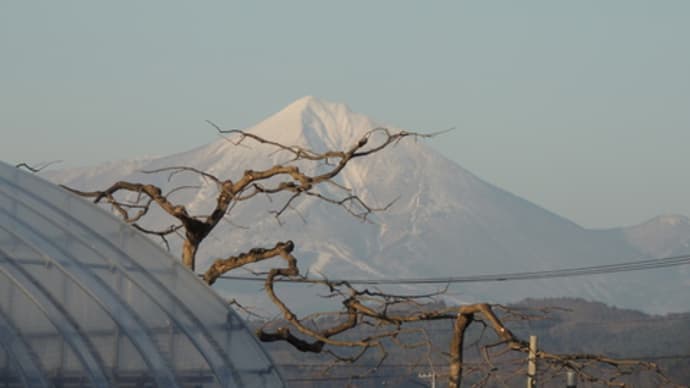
x=245 y=187
x=380 y=312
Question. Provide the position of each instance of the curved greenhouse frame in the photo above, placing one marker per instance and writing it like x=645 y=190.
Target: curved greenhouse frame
x=85 y=300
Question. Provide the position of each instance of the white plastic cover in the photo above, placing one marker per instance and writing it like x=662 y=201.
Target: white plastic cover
x=85 y=300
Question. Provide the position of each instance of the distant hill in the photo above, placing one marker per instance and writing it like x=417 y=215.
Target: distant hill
x=572 y=326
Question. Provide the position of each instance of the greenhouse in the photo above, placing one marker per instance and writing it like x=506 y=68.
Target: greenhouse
x=86 y=301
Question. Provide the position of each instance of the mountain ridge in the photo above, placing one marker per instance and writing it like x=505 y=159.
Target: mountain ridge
x=446 y=219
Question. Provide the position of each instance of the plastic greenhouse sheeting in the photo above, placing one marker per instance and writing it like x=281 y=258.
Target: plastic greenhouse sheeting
x=85 y=300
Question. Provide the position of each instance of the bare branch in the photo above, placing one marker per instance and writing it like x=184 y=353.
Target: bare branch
x=160 y=233
x=174 y=170
x=37 y=168
x=255 y=255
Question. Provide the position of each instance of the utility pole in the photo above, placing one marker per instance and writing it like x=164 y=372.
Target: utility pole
x=570 y=381
x=431 y=375
x=532 y=362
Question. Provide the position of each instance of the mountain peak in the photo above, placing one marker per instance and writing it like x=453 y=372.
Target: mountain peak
x=668 y=220
x=664 y=235
x=311 y=107
x=315 y=123
x=306 y=103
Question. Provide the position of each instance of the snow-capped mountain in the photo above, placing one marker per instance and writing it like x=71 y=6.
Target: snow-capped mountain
x=445 y=221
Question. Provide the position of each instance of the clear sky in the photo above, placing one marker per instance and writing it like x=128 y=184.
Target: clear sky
x=582 y=107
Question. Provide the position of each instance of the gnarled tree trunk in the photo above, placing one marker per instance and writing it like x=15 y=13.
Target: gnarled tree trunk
x=455 y=373
x=189 y=254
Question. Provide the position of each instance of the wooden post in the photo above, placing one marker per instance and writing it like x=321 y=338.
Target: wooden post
x=532 y=362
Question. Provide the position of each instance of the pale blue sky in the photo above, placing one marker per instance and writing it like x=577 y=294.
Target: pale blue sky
x=582 y=107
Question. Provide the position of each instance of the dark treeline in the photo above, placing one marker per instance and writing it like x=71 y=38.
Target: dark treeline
x=563 y=325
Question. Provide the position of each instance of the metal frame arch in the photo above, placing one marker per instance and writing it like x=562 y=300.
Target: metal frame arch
x=202 y=340
x=61 y=320
x=14 y=344
x=163 y=275
x=111 y=303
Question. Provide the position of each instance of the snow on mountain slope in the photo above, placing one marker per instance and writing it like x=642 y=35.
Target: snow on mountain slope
x=445 y=222
x=666 y=235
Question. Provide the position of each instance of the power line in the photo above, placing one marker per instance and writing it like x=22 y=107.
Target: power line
x=413 y=365
x=546 y=274
x=418 y=366
x=408 y=375
x=664 y=357
x=397 y=376
x=612 y=322
x=370 y=366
